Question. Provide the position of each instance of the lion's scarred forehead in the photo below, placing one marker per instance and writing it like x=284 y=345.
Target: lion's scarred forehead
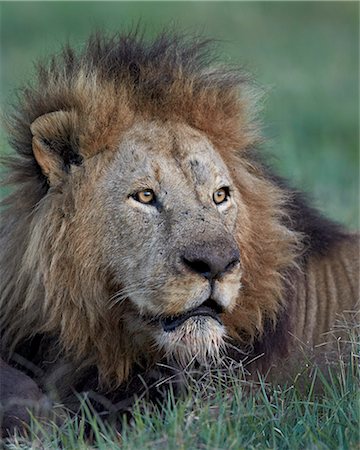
x=151 y=148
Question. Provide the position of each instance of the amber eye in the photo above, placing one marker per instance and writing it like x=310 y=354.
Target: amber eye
x=146 y=196
x=221 y=195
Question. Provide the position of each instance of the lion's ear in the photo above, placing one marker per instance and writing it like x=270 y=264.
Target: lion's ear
x=55 y=143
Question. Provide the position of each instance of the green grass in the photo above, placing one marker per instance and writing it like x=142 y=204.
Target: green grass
x=222 y=411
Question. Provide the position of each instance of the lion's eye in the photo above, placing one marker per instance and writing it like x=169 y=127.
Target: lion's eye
x=221 y=195
x=146 y=196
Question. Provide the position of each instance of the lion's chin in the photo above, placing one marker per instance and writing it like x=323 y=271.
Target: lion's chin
x=199 y=339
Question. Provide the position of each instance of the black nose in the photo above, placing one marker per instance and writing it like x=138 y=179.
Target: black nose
x=211 y=261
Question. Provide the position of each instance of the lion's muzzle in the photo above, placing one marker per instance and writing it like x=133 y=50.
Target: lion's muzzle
x=209 y=308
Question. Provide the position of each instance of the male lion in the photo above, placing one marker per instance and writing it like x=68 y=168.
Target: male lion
x=145 y=228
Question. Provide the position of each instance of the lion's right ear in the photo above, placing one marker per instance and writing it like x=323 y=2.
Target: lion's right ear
x=55 y=144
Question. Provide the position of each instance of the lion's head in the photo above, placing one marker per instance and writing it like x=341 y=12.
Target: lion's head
x=145 y=229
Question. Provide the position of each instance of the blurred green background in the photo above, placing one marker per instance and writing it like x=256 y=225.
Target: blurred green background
x=306 y=54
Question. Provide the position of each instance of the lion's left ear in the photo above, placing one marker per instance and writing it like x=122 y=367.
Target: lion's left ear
x=55 y=143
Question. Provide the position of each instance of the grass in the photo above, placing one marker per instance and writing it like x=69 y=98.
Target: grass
x=320 y=409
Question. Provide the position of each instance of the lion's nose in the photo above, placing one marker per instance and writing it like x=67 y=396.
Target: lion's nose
x=211 y=261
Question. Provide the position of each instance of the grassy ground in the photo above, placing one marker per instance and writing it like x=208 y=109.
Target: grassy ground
x=306 y=55
x=226 y=412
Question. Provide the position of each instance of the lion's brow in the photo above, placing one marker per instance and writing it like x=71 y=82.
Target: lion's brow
x=199 y=171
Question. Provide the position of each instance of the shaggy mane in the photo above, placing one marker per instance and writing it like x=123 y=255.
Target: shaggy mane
x=114 y=80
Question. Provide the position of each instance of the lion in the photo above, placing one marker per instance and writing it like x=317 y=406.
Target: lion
x=145 y=226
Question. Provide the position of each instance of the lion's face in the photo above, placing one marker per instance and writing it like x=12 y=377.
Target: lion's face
x=170 y=209
x=143 y=247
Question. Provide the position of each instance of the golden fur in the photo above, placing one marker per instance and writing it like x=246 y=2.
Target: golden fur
x=75 y=246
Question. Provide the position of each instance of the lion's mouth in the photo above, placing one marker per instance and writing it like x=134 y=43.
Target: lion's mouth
x=209 y=308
